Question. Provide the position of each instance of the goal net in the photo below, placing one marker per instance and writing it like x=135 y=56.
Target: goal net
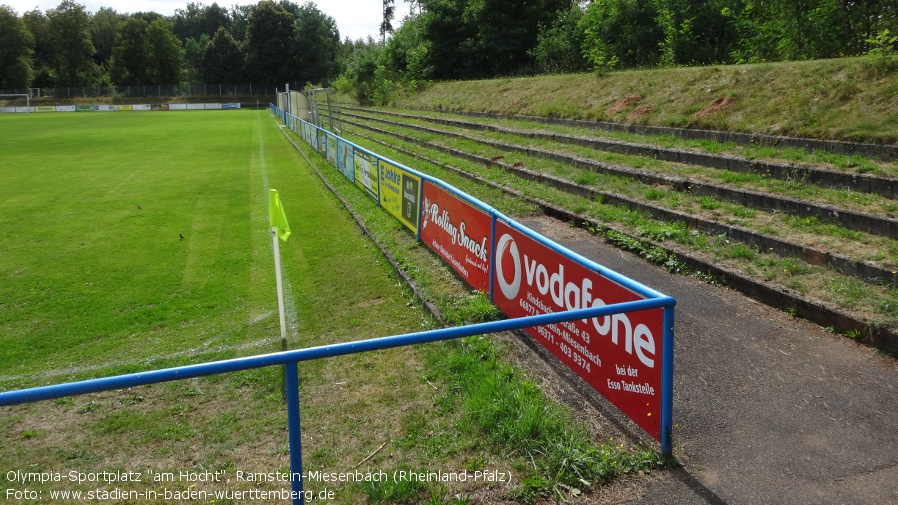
x=15 y=102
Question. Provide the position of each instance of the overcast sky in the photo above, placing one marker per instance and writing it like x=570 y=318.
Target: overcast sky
x=356 y=19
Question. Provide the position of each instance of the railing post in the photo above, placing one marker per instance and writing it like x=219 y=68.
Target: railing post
x=667 y=382
x=292 y=382
x=492 y=253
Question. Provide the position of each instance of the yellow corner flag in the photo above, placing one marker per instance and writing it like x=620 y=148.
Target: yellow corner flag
x=277 y=216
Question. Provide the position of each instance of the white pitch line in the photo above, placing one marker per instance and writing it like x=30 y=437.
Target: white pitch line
x=289 y=300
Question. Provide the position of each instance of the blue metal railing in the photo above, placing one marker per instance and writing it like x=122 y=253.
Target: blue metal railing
x=290 y=359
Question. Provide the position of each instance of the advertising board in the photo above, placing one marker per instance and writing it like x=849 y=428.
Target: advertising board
x=312 y=134
x=618 y=355
x=457 y=232
x=400 y=193
x=322 y=142
x=331 y=150
x=366 y=172
x=344 y=159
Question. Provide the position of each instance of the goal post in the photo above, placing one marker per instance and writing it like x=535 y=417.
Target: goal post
x=8 y=102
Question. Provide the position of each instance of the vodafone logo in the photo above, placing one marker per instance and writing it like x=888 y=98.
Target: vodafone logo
x=568 y=292
x=507 y=244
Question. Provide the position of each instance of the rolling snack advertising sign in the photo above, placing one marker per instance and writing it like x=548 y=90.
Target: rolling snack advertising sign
x=618 y=355
x=459 y=233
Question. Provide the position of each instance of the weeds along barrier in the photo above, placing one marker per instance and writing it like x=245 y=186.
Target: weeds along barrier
x=603 y=325
x=289 y=360
x=626 y=357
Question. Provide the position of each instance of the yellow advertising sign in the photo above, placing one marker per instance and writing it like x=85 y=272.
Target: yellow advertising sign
x=400 y=194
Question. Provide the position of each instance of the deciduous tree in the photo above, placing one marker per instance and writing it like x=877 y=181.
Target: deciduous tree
x=317 y=45
x=70 y=40
x=127 y=65
x=269 y=41
x=222 y=60
x=15 y=50
x=162 y=54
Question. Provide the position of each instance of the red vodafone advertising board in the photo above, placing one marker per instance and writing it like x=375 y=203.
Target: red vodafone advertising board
x=618 y=355
x=459 y=233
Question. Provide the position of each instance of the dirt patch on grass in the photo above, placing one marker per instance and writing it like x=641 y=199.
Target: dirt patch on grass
x=623 y=103
x=716 y=106
x=638 y=112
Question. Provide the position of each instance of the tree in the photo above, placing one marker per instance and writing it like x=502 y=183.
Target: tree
x=70 y=40
x=222 y=60
x=197 y=20
x=42 y=55
x=15 y=50
x=317 y=45
x=484 y=38
x=386 y=26
x=622 y=33
x=269 y=40
x=365 y=73
x=103 y=30
x=506 y=30
x=405 y=54
x=448 y=37
x=558 y=46
x=162 y=54
x=415 y=7
x=127 y=62
x=695 y=31
x=192 y=57
x=239 y=16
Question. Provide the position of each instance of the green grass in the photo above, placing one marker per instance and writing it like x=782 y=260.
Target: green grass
x=554 y=453
x=845 y=99
x=94 y=285
x=92 y=210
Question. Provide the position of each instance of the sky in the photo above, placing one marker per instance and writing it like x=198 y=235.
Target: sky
x=355 y=19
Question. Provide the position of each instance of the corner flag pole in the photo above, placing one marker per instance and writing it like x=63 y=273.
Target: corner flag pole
x=280 y=229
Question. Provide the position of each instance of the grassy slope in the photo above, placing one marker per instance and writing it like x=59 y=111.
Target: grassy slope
x=846 y=99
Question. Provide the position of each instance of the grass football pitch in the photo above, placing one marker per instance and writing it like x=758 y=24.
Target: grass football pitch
x=133 y=241
x=96 y=280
